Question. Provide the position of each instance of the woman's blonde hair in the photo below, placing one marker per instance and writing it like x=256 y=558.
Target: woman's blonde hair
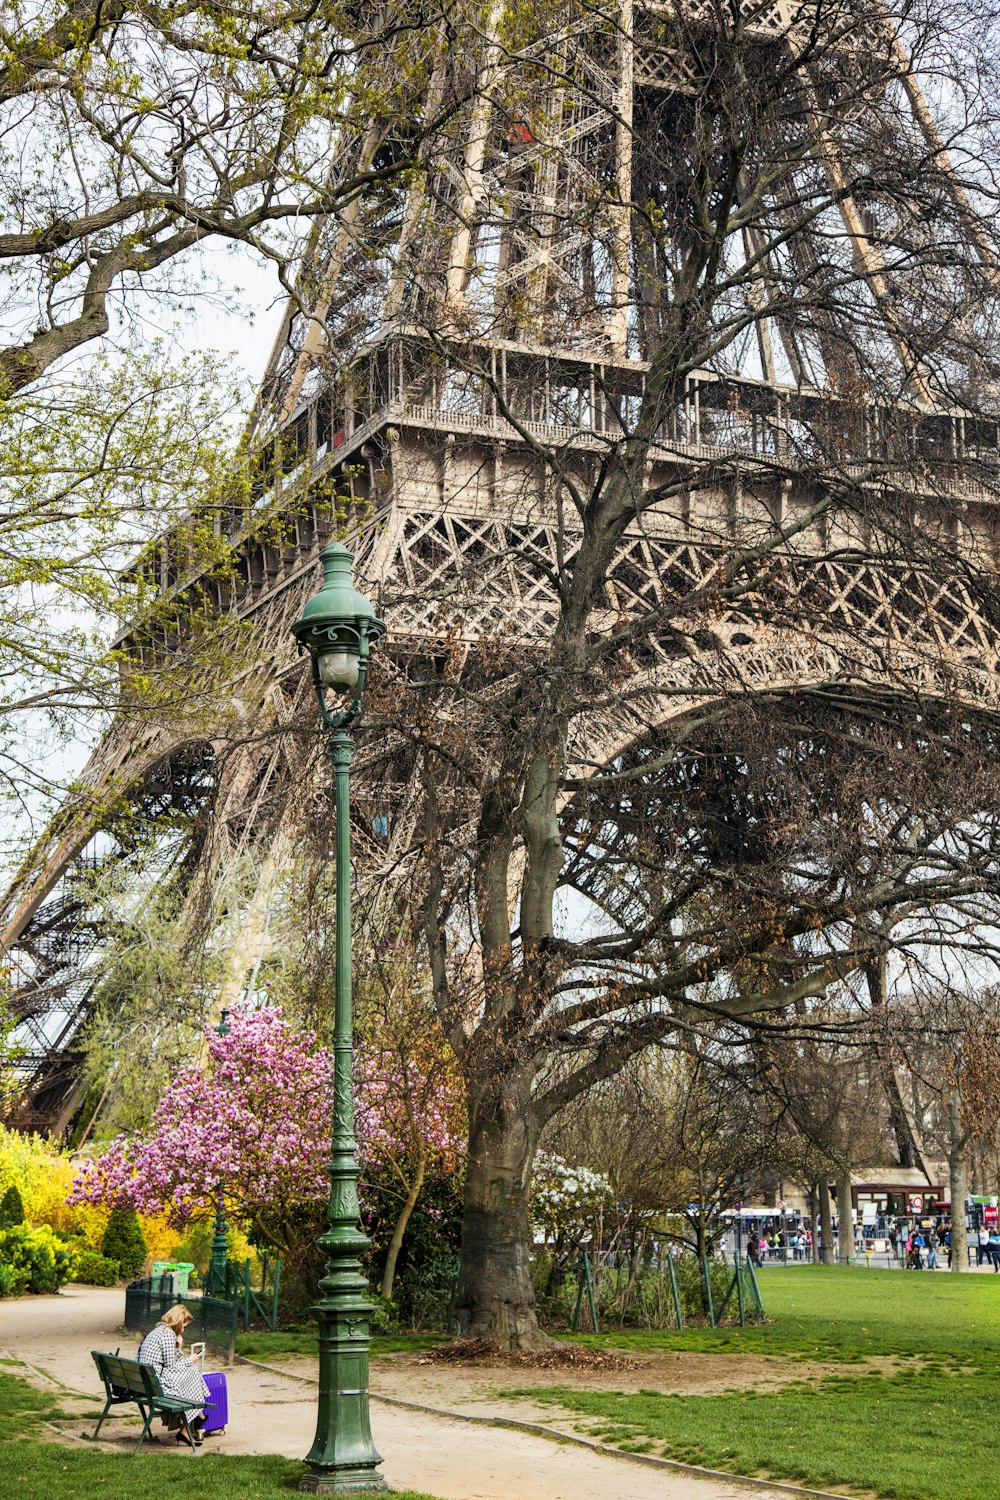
x=178 y=1318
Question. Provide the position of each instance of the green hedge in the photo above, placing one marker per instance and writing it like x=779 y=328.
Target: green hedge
x=94 y=1269
x=33 y=1260
x=125 y=1242
x=11 y=1208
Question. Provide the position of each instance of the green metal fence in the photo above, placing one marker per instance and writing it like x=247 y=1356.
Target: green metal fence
x=255 y=1302
x=214 y=1318
x=663 y=1290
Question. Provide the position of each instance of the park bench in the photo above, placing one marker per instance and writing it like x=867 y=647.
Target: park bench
x=126 y=1381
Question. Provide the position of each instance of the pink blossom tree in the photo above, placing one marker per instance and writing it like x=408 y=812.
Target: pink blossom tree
x=256 y=1118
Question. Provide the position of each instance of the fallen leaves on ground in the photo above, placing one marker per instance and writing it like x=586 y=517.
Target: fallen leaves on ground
x=558 y=1357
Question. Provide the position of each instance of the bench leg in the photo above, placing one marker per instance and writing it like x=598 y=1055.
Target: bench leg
x=145 y=1428
x=107 y=1408
x=195 y=1447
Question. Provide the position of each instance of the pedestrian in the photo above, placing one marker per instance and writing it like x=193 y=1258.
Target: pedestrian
x=932 y=1250
x=982 y=1240
x=163 y=1348
x=993 y=1249
x=894 y=1240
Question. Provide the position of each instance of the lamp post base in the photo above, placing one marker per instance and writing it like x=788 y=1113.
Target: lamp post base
x=344 y=1482
x=343 y=1459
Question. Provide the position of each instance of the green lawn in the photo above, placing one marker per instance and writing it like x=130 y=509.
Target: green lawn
x=840 y=1313
x=923 y=1432
x=31 y=1464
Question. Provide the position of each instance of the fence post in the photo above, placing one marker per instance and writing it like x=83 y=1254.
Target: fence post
x=274 y=1299
x=674 y=1293
x=590 y=1291
x=454 y=1326
x=708 y=1290
x=574 y=1326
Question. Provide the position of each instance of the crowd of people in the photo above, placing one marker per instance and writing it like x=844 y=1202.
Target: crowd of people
x=920 y=1247
x=923 y=1244
x=987 y=1243
x=775 y=1245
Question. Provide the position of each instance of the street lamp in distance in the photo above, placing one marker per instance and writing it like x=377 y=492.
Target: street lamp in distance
x=215 y=1282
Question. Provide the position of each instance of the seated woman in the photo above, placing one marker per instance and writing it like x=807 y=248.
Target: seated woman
x=162 y=1348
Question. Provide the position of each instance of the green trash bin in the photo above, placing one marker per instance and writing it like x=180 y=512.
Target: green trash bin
x=166 y=1272
x=182 y=1270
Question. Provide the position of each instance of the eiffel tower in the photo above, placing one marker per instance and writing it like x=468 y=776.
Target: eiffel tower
x=476 y=338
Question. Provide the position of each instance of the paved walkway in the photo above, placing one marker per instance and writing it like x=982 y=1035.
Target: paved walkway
x=274 y=1413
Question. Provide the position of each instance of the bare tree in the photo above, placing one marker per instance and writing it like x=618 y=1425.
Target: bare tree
x=776 y=196
x=834 y=1101
x=952 y=1049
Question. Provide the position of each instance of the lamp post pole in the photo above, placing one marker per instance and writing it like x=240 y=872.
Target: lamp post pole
x=216 y=1286
x=337 y=627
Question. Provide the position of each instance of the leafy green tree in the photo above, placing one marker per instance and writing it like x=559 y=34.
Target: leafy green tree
x=136 y=137
x=139 y=130
x=125 y=1242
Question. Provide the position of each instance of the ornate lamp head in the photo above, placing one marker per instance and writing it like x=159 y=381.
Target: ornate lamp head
x=338 y=626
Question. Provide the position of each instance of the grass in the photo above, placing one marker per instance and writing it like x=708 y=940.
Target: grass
x=920 y=1432
x=32 y=1464
x=843 y=1313
x=268 y=1347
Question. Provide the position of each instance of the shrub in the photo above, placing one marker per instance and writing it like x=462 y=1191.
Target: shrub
x=690 y=1278
x=425 y=1270
x=125 y=1242
x=8 y=1281
x=42 y=1176
x=38 y=1257
x=11 y=1208
x=94 y=1269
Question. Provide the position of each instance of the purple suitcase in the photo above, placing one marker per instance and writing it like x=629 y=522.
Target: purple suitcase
x=216 y=1415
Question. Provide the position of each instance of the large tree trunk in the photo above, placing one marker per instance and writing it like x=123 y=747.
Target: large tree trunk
x=826 y=1222
x=845 y=1212
x=813 y=1210
x=958 y=1174
x=495 y=1298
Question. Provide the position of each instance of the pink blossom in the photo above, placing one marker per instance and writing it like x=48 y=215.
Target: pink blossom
x=257 y=1119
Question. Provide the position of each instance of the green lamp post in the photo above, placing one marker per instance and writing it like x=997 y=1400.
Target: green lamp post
x=338 y=627
x=216 y=1283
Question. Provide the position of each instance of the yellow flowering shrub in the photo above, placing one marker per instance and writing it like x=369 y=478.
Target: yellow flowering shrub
x=43 y=1174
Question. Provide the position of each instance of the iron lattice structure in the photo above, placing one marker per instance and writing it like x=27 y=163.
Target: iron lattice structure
x=479 y=336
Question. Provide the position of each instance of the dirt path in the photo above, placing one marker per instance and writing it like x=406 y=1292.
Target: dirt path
x=272 y=1412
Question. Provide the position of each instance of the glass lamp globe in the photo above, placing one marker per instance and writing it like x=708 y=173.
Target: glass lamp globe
x=338 y=668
